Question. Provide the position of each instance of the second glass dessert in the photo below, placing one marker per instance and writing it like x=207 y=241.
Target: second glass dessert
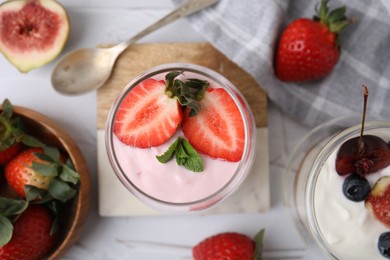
x=338 y=195
x=180 y=137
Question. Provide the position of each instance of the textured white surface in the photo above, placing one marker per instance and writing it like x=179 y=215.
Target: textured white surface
x=96 y=22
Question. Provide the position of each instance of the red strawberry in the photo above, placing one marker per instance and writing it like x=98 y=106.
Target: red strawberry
x=218 y=129
x=378 y=201
x=147 y=116
x=229 y=245
x=9 y=153
x=18 y=172
x=308 y=49
x=31 y=237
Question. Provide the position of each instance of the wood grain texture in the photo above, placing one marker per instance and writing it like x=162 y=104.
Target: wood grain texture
x=141 y=57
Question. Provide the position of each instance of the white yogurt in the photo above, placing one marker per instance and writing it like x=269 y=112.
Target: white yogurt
x=349 y=229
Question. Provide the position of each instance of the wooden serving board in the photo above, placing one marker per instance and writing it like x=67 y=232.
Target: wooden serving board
x=141 y=57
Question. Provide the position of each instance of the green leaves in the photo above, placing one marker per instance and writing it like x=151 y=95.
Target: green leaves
x=9 y=207
x=12 y=130
x=185 y=154
x=6 y=230
x=259 y=240
x=188 y=93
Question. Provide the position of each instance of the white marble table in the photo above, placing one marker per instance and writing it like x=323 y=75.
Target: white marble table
x=98 y=21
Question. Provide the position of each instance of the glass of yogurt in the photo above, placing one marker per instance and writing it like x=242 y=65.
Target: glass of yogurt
x=332 y=225
x=180 y=159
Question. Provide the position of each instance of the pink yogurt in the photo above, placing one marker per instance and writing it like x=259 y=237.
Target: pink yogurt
x=168 y=185
x=169 y=181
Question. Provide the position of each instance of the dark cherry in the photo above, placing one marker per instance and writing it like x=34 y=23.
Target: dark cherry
x=375 y=155
x=356 y=187
x=384 y=244
x=364 y=154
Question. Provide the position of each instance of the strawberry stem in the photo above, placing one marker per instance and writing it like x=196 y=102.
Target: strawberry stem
x=360 y=142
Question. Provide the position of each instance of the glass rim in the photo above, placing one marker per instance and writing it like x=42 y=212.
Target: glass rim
x=235 y=94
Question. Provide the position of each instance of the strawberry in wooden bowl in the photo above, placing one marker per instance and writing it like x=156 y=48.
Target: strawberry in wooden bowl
x=45 y=187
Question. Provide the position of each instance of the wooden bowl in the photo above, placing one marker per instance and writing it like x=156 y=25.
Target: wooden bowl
x=74 y=213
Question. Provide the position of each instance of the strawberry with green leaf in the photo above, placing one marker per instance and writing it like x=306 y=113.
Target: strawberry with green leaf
x=30 y=236
x=12 y=134
x=309 y=49
x=40 y=174
x=230 y=245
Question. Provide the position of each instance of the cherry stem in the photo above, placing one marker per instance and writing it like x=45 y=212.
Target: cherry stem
x=360 y=143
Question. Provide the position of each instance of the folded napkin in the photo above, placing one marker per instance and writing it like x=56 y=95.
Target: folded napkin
x=246 y=32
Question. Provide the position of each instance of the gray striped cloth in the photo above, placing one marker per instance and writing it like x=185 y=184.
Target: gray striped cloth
x=246 y=31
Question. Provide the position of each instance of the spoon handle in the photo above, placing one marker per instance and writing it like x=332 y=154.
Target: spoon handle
x=186 y=8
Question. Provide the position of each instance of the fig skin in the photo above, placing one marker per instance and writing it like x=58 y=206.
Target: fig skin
x=375 y=156
x=35 y=55
x=378 y=201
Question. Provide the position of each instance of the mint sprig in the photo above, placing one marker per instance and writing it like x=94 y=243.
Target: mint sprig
x=185 y=155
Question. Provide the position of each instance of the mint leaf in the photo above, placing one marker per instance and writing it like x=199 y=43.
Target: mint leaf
x=9 y=207
x=60 y=190
x=181 y=155
x=45 y=169
x=69 y=175
x=168 y=154
x=194 y=162
x=185 y=154
x=6 y=230
x=259 y=240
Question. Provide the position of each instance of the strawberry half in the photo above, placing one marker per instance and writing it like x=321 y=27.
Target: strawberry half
x=31 y=238
x=147 y=116
x=308 y=49
x=218 y=129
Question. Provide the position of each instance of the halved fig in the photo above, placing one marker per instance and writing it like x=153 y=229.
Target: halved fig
x=32 y=32
x=378 y=201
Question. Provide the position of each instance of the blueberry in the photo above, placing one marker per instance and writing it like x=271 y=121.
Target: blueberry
x=356 y=187
x=384 y=244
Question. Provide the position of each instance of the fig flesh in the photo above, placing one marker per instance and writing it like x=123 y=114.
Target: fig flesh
x=375 y=155
x=32 y=32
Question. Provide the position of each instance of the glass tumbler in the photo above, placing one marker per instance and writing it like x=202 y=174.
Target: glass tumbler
x=331 y=225
x=184 y=191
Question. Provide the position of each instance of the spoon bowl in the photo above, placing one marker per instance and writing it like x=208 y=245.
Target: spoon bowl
x=85 y=70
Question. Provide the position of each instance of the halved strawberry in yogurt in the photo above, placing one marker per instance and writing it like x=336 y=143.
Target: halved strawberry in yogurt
x=147 y=116
x=218 y=129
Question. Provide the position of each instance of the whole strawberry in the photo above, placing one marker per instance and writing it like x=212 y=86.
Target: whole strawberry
x=229 y=245
x=31 y=238
x=309 y=49
x=19 y=172
x=39 y=173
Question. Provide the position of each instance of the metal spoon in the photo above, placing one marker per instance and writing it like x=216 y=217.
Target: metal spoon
x=85 y=70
